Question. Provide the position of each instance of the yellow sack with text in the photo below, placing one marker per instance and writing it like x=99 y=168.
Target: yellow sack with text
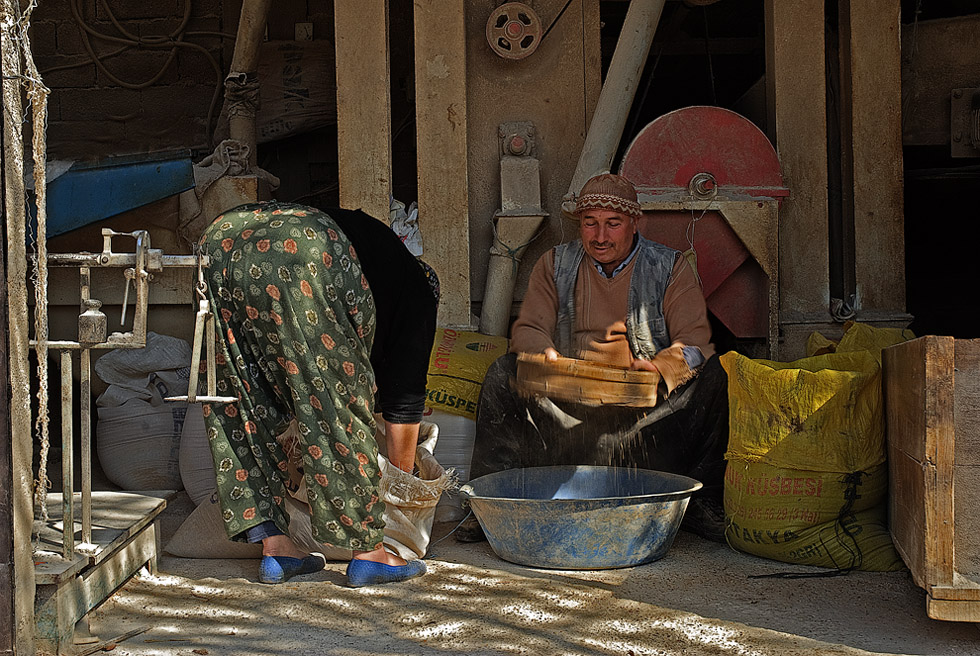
x=806 y=481
x=457 y=366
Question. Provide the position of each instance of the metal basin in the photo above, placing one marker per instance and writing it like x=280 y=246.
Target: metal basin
x=580 y=517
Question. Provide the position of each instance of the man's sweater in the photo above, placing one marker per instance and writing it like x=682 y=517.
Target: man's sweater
x=599 y=333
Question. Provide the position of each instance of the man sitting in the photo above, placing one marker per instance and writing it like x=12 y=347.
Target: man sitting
x=619 y=299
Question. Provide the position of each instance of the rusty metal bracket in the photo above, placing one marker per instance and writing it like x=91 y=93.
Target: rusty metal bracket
x=964 y=122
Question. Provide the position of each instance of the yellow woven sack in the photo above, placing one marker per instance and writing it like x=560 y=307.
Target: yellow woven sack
x=858 y=337
x=806 y=480
x=862 y=337
x=457 y=365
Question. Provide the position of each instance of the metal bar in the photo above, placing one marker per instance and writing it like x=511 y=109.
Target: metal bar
x=67 y=461
x=203 y=399
x=199 y=322
x=85 y=285
x=212 y=360
x=112 y=344
x=116 y=259
x=141 y=280
x=86 y=455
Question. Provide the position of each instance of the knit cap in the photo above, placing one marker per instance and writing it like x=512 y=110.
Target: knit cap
x=607 y=191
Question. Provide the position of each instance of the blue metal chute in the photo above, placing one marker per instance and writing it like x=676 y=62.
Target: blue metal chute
x=93 y=191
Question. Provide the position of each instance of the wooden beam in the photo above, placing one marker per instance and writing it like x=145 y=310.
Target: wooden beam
x=873 y=108
x=363 y=105
x=6 y=501
x=440 y=106
x=797 y=125
x=20 y=511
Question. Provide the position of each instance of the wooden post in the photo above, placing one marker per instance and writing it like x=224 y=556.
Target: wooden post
x=363 y=105
x=6 y=480
x=19 y=510
x=870 y=34
x=796 y=98
x=440 y=107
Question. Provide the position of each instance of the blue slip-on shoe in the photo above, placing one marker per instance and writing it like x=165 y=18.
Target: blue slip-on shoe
x=278 y=569
x=366 y=572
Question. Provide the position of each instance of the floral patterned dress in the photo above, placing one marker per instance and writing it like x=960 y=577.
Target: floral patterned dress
x=295 y=322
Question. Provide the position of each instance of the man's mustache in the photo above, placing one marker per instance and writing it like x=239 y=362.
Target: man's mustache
x=600 y=244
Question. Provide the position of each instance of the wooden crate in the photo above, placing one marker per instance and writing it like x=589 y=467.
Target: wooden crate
x=932 y=406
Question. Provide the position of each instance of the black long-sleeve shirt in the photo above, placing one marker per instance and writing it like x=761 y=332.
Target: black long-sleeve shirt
x=406 y=314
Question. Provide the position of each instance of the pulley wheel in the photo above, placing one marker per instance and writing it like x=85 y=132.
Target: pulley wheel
x=513 y=30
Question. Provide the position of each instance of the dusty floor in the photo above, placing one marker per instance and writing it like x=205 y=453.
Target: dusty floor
x=699 y=599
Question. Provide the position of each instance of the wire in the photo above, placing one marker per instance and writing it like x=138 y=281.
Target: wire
x=689 y=233
x=173 y=41
x=560 y=14
x=455 y=528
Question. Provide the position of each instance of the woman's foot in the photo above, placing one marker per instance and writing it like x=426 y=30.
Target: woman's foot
x=368 y=572
x=380 y=555
x=282 y=545
x=381 y=566
x=279 y=569
x=282 y=560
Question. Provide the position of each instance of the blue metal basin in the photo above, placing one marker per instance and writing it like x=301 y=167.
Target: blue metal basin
x=580 y=517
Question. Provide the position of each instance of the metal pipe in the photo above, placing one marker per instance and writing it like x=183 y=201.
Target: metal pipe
x=244 y=64
x=618 y=89
x=67 y=461
x=512 y=236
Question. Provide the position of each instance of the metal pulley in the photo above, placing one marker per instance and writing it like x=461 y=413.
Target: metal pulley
x=513 y=30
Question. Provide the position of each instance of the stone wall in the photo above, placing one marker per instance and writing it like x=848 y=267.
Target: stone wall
x=140 y=95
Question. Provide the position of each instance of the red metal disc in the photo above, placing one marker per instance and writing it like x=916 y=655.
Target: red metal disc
x=668 y=152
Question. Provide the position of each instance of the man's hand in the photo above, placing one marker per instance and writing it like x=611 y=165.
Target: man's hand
x=639 y=364
x=551 y=355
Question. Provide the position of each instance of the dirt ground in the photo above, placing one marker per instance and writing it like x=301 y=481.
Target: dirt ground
x=699 y=599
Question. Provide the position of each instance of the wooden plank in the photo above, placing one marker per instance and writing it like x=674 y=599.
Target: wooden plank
x=116 y=518
x=363 y=105
x=796 y=98
x=952 y=611
x=918 y=396
x=58 y=607
x=963 y=589
x=939 y=437
x=904 y=390
x=966 y=474
x=440 y=106
x=906 y=511
x=967 y=402
x=872 y=73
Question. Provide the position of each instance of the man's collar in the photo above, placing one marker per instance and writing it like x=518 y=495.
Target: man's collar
x=624 y=263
